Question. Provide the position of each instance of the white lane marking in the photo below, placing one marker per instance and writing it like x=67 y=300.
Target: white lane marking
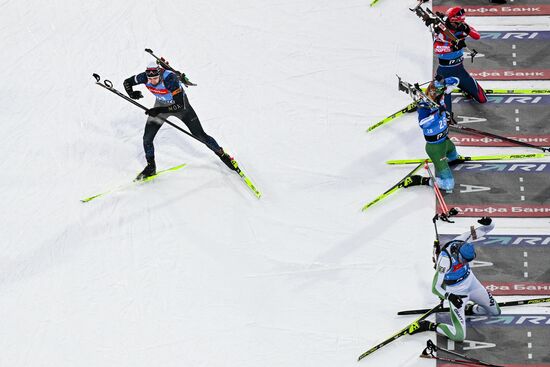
x=521 y=179
x=521 y=188
x=525 y=264
x=522 y=198
x=513 y=47
x=526 y=275
x=517 y=119
x=530 y=356
x=514 y=63
x=529 y=345
x=528 y=334
x=517 y=110
x=513 y=54
x=524 y=253
x=517 y=128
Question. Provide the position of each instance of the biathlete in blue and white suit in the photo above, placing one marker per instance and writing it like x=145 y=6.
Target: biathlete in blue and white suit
x=455 y=282
x=434 y=125
x=171 y=100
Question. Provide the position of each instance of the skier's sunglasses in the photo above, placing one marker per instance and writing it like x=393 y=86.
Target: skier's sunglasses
x=152 y=73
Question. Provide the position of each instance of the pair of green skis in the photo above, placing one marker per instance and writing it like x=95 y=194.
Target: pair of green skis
x=437 y=309
x=421 y=161
x=242 y=175
x=412 y=106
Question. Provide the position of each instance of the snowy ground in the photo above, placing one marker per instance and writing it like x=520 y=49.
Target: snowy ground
x=192 y=270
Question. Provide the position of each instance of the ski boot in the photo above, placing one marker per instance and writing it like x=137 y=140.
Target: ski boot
x=421 y=326
x=469 y=309
x=454 y=162
x=416 y=180
x=148 y=171
x=227 y=159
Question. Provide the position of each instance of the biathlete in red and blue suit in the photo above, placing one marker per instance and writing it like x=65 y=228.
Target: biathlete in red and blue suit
x=451 y=55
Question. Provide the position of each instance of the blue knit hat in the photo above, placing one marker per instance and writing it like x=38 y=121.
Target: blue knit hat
x=467 y=251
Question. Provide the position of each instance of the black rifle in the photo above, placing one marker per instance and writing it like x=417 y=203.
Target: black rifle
x=164 y=64
x=438 y=25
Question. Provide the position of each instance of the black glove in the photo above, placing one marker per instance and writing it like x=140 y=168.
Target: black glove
x=458 y=44
x=442 y=110
x=135 y=94
x=429 y=21
x=463 y=27
x=440 y=14
x=485 y=221
x=454 y=299
x=156 y=110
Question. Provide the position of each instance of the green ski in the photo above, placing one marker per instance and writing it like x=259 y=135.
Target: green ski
x=413 y=325
x=373 y=3
x=134 y=182
x=512 y=91
x=473 y=158
x=246 y=180
x=394 y=188
x=404 y=110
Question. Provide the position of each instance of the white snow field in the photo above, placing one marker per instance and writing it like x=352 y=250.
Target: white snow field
x=191 y=269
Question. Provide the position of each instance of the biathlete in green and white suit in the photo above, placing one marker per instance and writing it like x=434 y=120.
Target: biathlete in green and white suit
x=455 y=282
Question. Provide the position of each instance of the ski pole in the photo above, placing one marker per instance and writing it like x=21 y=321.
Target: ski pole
x=399 y=334
x=428 y=352
x=107 y=84
x=522 y=302
x=165 y=65
x=455 y=125
x=446 y=212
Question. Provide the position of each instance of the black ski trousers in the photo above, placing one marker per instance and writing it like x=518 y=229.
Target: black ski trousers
x=189 y=118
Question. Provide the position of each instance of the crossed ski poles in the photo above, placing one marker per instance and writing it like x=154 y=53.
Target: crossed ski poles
x=455 y=125
x=446 y=213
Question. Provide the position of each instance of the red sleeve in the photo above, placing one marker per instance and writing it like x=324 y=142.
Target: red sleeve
x=474 y=34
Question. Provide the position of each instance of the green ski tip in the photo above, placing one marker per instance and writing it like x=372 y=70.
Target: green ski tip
x=134 y=182
x=474 y=158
